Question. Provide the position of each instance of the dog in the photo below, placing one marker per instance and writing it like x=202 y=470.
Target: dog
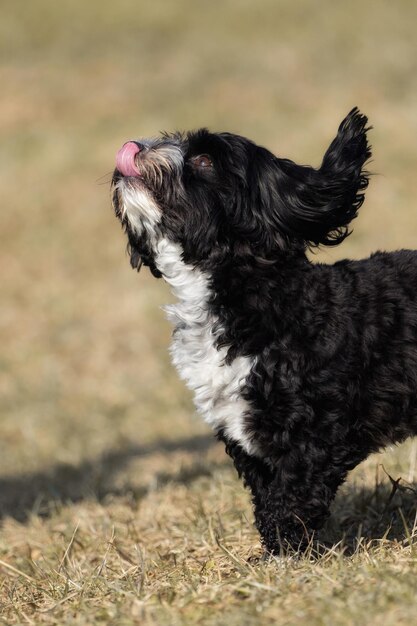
x=302 y=369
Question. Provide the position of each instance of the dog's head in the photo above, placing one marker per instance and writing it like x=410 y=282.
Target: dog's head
x=220 y=195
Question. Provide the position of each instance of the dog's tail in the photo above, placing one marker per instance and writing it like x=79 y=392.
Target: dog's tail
x=322 y=202
x=343 y=168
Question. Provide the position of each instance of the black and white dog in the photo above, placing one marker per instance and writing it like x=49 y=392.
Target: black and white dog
x=301 y=369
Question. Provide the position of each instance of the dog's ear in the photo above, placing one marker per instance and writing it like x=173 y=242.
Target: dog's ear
x=140 y=255
x=317 y=205
x=135 y=258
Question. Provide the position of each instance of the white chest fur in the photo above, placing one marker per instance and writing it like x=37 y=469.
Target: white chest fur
x=217 y=387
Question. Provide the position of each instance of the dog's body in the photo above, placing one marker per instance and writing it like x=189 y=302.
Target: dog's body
x=302 y=369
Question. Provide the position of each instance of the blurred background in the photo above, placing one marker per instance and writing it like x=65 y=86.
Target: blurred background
x=85 y=380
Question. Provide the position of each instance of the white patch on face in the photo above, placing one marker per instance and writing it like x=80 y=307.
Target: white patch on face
x=217 y=387
x=161 y=159
x=170 y=156
x=138 y=206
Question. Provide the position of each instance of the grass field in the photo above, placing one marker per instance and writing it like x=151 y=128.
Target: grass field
x=116 y=505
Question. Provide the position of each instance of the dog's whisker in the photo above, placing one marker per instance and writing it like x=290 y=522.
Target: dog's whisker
x=105 y=179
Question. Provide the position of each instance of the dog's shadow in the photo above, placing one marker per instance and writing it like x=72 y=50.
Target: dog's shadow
x=41 y=492
x=359 y=514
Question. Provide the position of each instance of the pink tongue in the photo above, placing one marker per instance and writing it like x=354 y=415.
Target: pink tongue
x=125 y=159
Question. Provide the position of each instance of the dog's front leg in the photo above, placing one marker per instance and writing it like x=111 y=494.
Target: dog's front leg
x=295 y=502
x=291 y=495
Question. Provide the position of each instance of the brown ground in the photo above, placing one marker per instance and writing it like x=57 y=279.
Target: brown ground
x=117 y=506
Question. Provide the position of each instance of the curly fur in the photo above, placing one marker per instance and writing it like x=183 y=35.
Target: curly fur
x=302 y=369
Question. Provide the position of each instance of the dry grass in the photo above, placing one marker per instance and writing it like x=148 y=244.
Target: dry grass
x=116 y=504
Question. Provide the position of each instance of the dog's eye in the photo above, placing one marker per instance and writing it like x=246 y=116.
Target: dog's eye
x=202 y=160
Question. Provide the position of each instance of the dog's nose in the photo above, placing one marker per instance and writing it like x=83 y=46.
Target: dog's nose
x=126 y=159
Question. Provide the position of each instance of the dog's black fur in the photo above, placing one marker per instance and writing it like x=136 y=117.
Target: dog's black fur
x=334 y=347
